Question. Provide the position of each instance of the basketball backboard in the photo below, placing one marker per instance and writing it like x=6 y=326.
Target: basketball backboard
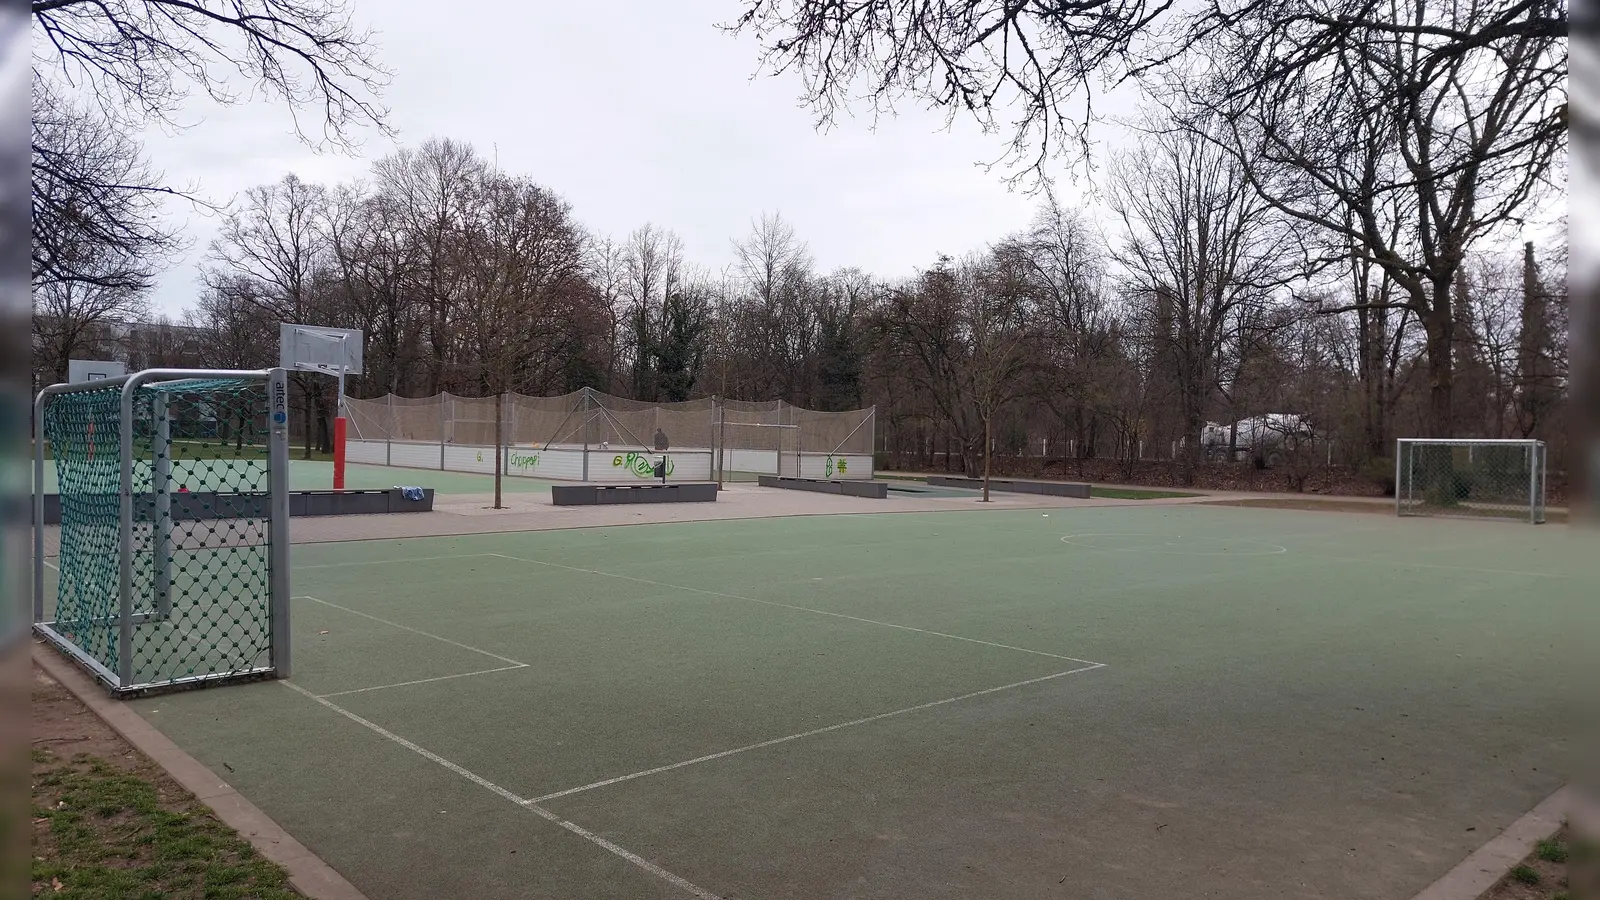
x=81 y=370
x=315 y=348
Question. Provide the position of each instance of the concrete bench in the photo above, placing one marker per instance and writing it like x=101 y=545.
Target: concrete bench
x=605 y=494
x=197 y=506
x=875 y=490
x=1014 y=486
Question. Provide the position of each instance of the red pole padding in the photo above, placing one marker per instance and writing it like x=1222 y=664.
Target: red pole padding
x=338 y=453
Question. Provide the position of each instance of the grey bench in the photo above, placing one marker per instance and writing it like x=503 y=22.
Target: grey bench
x=198 y=506
x=605 y=494
x=875 y=490
x=1014 y=486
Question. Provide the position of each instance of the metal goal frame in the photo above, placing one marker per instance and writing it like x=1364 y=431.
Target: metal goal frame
x=1471 y=477
x=155 y=504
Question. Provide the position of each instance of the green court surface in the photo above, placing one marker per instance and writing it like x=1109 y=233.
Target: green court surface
x=310 y=474
x=1150 y=702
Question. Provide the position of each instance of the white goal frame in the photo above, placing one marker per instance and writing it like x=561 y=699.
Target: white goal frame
x=1437 y=476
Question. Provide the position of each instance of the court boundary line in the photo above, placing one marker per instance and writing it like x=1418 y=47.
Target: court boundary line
x=356 y=612
x=759 y=745
x=384 y=562
x=615 y=849
x=380 y=687
x=805 y=609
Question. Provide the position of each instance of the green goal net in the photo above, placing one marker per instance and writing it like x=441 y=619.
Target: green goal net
x=172 y=558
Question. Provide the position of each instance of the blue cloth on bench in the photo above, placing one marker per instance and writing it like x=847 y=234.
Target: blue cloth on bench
x=410 y=493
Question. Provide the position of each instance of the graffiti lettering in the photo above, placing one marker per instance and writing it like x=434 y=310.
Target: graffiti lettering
x=523 y=460
x=639 y=464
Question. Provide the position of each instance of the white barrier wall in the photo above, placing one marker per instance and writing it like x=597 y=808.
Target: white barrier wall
x=843 y=467
x=562 y=464
x=605 y=466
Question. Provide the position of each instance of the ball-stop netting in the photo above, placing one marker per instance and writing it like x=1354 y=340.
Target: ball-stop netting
x=168 y=493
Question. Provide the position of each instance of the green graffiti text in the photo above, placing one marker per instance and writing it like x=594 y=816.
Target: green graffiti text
x=639 y=463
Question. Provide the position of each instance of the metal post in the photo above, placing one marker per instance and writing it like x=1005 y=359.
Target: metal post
x=38 y=506
x=388 y=437
x=586 y=392
x=125 y=536
x=716 y=452
x=278 y=584
x=444 y=399
x=161 y=490
x=722 y=443
x=1399 y=460
x=1533 y=486
x=340 y=426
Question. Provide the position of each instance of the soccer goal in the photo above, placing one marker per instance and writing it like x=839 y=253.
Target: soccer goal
x=171 y=491
x=1465 y=477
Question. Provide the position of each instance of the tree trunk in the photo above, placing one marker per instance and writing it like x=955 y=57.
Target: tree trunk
x=306 y=409
x=988 y=443
x=1440 y=368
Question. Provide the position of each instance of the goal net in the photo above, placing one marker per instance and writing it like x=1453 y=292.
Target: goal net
x=172 y=498
x=1461 y=477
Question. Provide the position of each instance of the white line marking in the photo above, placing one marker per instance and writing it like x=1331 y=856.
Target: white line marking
x=381 y=687
x=357 y=612
x=812 y=733
x=51 y=565
x=385 y=562
x=680 y=883
x=1372 y=560
x=1273 y=549
x=806 y=609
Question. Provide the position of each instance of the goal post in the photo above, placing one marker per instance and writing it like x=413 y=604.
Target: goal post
x=1472 y=477
x=172 y=566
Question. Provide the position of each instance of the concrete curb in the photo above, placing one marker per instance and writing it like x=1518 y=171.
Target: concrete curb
x=1489 y=863
x=307 y=872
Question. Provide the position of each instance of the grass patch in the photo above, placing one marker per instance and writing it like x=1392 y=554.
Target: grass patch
x=1120 y=493
x=101 y=832
x=1551 y=850
x=1525 y=874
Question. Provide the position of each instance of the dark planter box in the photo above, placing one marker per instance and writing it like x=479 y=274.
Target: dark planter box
x=875 y=490
x=196 y=506
x=606 y=494
x=1013 y=486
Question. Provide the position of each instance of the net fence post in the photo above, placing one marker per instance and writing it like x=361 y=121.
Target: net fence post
x=278 y=584
x=1533 y=484
x=444 y=399
x=1399 y=486
x=388 y=435
x=124 y=669
x=161 y=491
x=38 y=505
x=584 y=406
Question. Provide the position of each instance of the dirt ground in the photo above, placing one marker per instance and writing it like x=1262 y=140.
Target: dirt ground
x=109 y=823
x=1549 y=877
x=64 y=726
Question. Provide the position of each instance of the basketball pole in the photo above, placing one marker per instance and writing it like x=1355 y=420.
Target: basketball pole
x=339 y=424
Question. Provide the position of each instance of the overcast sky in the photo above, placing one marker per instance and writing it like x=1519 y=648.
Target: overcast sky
x=645 y=112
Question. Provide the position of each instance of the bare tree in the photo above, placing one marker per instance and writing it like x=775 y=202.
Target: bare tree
x=95 y=200
x=653 y=260
x=276 y=242
x=1424 y=129
x=95 y=209
x=1032 y=68
x=139 y=59
x=73 y=319
x=430 y=195
x=1201 y=250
